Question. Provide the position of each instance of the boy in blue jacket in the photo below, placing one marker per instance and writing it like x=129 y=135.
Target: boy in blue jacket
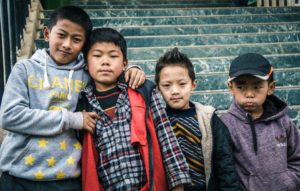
x=266 y=141
x=40 y=151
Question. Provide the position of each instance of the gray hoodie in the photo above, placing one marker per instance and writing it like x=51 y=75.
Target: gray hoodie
x=37 y=111
x=266 y=150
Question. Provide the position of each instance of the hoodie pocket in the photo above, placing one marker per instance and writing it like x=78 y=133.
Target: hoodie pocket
x=281 y=181
x=23 y=152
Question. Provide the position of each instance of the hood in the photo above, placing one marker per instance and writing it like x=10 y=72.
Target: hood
x=273 y=108
x=42 y=57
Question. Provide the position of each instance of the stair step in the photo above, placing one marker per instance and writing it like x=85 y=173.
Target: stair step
x=206 y=29
x=218 y=81
x=205 y=39
x=108 y=2
x=222 y=99
x=150 y=5
x=153 y=53
x=194 y=20
x=209 y=29
x=184 y=12
x=221 y=64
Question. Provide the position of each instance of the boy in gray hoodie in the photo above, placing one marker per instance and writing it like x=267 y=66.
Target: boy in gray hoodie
x=40 y=151
x=266 y=141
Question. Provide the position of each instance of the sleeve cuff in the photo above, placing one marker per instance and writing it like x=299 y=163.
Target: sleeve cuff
x=179 y=179
x=133 y=66
x=75 y=120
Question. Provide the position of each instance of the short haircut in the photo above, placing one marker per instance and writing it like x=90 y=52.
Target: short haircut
x=73 y=14
x=107 y=35
x=174 y=57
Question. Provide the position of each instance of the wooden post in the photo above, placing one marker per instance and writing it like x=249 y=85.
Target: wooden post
x=281 y=3
x=259 y=3
x=266 y=3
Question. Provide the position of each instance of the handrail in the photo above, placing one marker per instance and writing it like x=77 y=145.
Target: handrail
x=13 y=14
x=275 y=3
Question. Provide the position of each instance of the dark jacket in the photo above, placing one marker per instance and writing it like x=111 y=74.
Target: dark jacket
x=219 y=166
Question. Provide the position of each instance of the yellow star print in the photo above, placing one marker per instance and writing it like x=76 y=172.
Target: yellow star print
x=63 y=145
x=77 y=146
x=71 y=161
x=51 y=161
x=39 y=175
x=60 y=174
x=29 y=160
x=76 y=174
x=43 y=143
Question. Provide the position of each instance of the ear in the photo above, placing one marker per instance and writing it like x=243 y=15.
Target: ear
x=125 y=63
x=230 y=87
x=194 y=84
x=46 y=33
x=271 y=88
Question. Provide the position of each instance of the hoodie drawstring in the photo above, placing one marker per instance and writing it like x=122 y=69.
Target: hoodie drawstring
x=69 y=84
x=254 y=136
x=46 y=83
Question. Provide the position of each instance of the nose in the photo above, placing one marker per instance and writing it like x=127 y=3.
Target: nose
x=67 y=43
x=175 y=90
x=249 y=93
x=104 y=60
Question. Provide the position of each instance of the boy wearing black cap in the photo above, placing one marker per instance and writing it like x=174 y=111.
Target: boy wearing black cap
x=266 y=141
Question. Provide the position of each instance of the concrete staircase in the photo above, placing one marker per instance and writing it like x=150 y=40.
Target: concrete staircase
x=211 y=33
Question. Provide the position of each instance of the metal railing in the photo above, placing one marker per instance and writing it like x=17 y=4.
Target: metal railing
x=13 y=14
x=276 y=3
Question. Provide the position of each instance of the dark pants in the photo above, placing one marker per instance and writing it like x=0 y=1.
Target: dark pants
x=11 y=183
x=195 y=188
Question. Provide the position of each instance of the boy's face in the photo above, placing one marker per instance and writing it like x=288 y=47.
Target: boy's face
x=250 y=93
x=66 y=40
x=105 y=64
x=176 y=86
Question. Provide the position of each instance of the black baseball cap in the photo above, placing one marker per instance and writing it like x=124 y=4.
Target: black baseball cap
x=250 y=64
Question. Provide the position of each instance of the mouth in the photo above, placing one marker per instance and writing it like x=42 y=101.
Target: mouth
x=64 y=52
x=175 y=99
x=105 y=71
x=249 y=104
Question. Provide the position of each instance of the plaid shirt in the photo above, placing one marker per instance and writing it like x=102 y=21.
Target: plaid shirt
x=120 y=166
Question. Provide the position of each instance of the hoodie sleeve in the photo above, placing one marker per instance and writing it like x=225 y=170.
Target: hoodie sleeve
x=294 y=153
x=223 y=167
x=16 y=115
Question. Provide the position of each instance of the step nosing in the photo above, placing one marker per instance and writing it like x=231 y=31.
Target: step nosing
x=220 y=45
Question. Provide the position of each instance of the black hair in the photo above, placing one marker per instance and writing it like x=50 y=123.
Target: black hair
x=271 y=78
x=108 y=35
x=74 y=14
x=174 y=57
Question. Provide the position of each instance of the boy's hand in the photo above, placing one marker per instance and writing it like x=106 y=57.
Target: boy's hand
x=178 y=188
x=135 y=77
x=89 y=121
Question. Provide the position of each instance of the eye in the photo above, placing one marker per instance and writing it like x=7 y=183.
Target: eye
x=77 y=40
x=96 y=55
x=61 y=35
x=182 y=84
x=114 y=56
x=165 y=85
